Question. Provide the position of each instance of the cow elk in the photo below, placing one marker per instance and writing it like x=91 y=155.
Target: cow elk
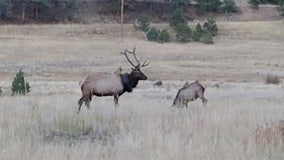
x=106 y=84
x=190 y=92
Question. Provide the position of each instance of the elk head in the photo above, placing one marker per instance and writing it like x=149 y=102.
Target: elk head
x=136 y=72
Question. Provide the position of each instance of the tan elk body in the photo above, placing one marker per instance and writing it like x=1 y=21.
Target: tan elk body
x=106 y=84
x=190 y=92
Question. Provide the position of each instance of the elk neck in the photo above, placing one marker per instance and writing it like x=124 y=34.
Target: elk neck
x=127 y=87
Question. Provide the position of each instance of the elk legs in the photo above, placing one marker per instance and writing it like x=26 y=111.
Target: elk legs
x=86 y=99
x=115 y=99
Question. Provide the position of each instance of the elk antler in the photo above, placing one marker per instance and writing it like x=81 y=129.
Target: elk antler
x=134 y=55
x=136 y=59
x=145 y=64
x=125 y=53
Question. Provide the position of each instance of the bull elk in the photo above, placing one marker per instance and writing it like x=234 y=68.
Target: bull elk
x=106 y=84
x=190 y=92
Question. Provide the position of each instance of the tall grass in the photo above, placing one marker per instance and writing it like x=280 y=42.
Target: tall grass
x=47 y=127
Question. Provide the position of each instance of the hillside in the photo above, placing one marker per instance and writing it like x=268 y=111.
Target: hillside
x=97 y=11
x=247 y=13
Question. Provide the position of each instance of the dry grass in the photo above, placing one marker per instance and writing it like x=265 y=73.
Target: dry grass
x=47 y=127
x=270 y=135
x=267 y=30
x=244 y=51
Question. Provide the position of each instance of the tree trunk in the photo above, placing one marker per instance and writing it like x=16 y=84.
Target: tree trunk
x=36 y=10
x=23 y=11
x=121 y=19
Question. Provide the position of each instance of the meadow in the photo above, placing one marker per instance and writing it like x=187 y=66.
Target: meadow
x=240 y=120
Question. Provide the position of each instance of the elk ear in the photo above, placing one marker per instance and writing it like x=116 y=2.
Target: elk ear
x=186 y=84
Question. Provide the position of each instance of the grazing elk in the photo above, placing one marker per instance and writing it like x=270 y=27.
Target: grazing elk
x=105 y=84
x=190 y=92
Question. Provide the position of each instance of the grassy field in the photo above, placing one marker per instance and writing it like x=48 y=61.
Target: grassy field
x=240 y=120
x=242 y=52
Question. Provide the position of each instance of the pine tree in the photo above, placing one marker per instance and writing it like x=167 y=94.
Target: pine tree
x=184 y=33
x=5 y=9
x=143 y=22
x=20 y=85
x=177 y=18
x=211 y=26
x=197 y=33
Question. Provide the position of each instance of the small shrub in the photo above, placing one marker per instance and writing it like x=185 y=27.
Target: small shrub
x=164 y=36
x=199 y=28
x=177 y=18
x=213 y=5
x=280 y=8
x=206 y=38
x=158 y=83
x=208 y=5
x=143 y=22
x=197 y=33
x=202 y=8
x=210 y=26
x=153 y=34
x=114 y=7
x=269 y=135
x=118 y=70
x=184 y=33
x=272 y=79
x=20 y=85
x=196 y=36
x=229 y=6
x=280 y=2
x=1 y=91
x=254 y=3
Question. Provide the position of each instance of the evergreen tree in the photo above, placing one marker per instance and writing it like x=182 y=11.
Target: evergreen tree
x=197 y=33
x=206 y=38
x=177 y=18
x=153 y=34
x=229 y=6
x=184 y=33
x=143 y=22
x=210 y=26
x=5 y=9
x=209 y=5
x=20 y=85
x=254 y=3
x=179 y=3
x=280 y=7
x=164 y=36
